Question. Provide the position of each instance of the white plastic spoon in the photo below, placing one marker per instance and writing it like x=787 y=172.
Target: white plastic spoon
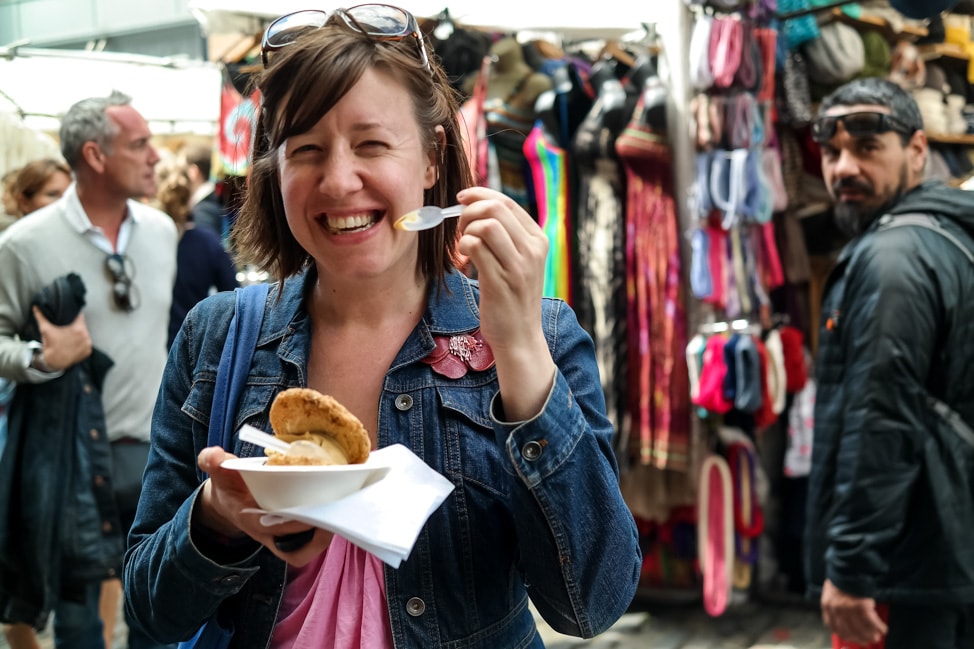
x=300 y=447
x=426 y=217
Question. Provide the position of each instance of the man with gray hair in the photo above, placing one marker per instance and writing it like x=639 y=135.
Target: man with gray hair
x=888 y=549
x=125 y=254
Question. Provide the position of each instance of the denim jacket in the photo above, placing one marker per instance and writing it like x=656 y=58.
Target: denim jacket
x=536 y=509
x=59 y=527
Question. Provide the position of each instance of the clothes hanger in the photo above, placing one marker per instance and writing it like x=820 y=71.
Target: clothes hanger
x=444 y=26
x=612 y=50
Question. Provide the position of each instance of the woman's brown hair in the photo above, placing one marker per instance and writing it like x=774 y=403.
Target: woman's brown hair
x=305 y=81
x=34 y=175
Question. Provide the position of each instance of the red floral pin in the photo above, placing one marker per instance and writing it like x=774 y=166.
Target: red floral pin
x=453 y=355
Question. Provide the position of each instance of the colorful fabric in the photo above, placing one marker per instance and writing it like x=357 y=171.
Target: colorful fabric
x=715 y=534
x=659 y=379
x=710 y=395
x=474 y=126
x=548 y=164
x=507 y=128
x=337 y=600
x=238 y=116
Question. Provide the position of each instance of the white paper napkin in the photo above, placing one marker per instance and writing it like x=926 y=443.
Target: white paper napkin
x=384 y=518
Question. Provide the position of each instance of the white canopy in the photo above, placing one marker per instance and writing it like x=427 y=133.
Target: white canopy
x=174 y=95
x=604 y=19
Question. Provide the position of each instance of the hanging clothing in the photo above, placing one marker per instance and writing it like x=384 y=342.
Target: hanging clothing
x=549 y=169
x=507 y=128
x=599 y=270
x=474 y=126
x=656 y=312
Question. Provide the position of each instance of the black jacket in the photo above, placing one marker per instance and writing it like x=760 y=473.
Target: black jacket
x=59 y=527
x=891 y=493
x=208 y=214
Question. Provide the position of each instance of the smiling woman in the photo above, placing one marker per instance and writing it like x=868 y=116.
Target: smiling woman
x=359 y=126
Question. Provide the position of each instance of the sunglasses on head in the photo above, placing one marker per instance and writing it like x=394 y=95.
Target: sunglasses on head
x=381 y=22
x=124 y=292
x=862 y=124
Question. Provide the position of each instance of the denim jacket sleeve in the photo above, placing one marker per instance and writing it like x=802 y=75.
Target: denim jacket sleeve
x=579 y=544
x=170 y=586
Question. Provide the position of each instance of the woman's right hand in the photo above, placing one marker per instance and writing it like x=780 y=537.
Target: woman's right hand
x=224 y=497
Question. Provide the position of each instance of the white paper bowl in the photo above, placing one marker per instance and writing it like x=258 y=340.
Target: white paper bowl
x=282 y=487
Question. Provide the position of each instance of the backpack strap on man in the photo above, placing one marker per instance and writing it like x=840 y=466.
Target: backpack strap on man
x=930 y=223
x=950 y=416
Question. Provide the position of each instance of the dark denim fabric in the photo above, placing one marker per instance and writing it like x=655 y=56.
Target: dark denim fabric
x=76 y=623
x=549 y=524
x=59 y=526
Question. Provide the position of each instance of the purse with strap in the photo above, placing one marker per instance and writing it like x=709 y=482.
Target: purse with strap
x=231 y=375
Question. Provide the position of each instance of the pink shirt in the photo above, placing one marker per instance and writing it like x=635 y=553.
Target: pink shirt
x=338 y=601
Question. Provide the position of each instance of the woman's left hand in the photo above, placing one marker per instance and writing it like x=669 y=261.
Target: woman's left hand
x=509 y=249
x=225 y=496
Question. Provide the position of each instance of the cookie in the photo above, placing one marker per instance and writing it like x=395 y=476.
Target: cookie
x=298 y=411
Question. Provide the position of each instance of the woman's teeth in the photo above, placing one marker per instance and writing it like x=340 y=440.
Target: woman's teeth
x=353 y=223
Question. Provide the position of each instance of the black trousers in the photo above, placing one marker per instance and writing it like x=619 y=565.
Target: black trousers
x=930 y=627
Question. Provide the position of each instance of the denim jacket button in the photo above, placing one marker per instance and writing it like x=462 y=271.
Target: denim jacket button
x=531 y=451
x=415 y=606
x=404 y=402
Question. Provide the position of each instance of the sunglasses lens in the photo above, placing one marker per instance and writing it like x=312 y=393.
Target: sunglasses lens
x=856 y=125
x=115 y=265
x=126 y=295
x=286 y=29
x=379 y=20
x=122 y=270
x=861 y=124
x=121 y=290
x=376 y=20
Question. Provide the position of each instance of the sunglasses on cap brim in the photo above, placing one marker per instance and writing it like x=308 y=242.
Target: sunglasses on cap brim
x=379 y=21
x=861 y=124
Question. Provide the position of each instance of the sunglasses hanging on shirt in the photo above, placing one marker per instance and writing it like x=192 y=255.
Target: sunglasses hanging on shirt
x=122 y=271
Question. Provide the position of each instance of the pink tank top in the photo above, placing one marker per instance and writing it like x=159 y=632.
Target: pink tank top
x=338 y=601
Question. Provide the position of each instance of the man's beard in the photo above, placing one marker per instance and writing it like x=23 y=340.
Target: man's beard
x=852 y=219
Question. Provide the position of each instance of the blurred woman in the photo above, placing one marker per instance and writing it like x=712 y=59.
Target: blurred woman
x=40 y=183
x=202 y=264
x=37 y=184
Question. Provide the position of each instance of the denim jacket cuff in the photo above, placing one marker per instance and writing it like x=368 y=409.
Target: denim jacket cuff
x=540 y=445
x=222 y=580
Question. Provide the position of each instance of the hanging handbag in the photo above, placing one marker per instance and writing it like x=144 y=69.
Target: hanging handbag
x=231 y=375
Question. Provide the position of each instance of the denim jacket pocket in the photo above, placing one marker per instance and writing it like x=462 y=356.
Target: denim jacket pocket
x=469 y=430
x=252 y=408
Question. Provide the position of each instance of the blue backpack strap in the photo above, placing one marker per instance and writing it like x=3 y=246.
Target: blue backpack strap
x=238 y=350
